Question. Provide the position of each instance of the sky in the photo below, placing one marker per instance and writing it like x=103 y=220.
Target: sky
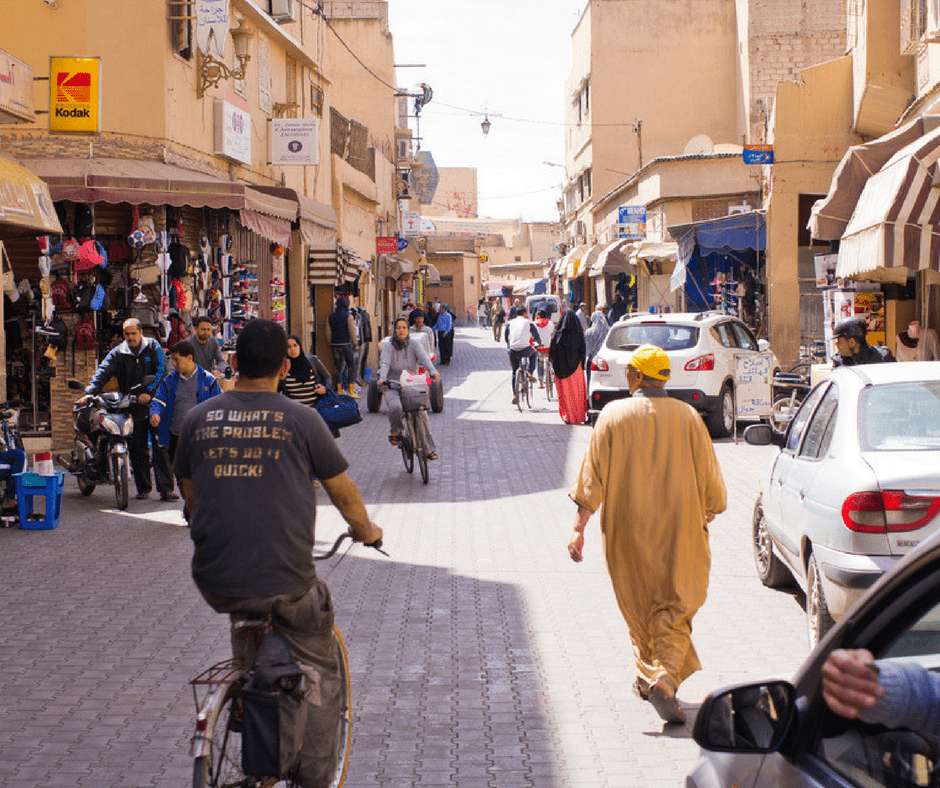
x=509 y=58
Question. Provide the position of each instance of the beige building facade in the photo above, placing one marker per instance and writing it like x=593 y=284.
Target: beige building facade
x=186 y=136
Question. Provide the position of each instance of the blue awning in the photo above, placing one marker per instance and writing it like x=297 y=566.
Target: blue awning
x=736 y=233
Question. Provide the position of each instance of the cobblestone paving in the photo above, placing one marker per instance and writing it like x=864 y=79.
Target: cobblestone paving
x=481 y=656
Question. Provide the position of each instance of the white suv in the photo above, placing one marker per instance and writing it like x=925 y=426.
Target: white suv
x=701 y=348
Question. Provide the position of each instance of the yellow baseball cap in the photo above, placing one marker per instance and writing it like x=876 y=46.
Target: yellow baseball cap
x=652 y=361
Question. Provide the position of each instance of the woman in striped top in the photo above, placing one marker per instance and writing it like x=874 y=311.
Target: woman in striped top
x=306 y=378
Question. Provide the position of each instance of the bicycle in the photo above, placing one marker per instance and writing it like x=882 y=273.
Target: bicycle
x=548 y=374
x=522 y=385
x=413 y=440
x=217 y=741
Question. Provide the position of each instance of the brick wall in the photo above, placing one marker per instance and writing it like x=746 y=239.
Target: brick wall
x=785 y=37
x=62 y=397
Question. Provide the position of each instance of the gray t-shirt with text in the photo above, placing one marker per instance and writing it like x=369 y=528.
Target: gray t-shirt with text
x=252 y=458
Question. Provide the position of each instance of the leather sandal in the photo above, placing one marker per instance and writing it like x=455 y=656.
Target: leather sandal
x=394 y=439
x=432 y=455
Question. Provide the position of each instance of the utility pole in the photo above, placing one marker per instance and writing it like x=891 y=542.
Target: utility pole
x=638 y=130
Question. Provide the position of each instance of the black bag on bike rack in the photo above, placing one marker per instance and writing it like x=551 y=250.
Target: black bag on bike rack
x=274 y=714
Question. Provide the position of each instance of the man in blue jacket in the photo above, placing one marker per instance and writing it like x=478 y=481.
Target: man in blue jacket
x=178 y=393
x=130 y=362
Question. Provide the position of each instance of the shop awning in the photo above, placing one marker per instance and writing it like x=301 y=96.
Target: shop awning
x=667 y=251
x=432 y=275
x=570 y=262
x=896 y=222
x=274 y=229
x=495 y=289
x=25 y=204
x=142 y=181
x=321 y=267
x=399 y=266
x=729 y=233
x=537 y=287
x=351 y=263
x=614 y=259
x=317 y=220
x=830 y=216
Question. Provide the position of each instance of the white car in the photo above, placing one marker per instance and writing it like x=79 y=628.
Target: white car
x=855 y=487
x=701 y=347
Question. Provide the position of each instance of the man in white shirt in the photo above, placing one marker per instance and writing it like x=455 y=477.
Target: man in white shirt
x=521 y=338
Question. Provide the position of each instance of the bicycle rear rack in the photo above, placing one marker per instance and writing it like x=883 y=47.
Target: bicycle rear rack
x=220 y=673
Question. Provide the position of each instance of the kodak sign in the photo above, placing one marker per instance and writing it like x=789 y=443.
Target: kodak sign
x=74 y=95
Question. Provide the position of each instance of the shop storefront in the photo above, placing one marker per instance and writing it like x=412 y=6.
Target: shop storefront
x=882 y=215
x=613 y=272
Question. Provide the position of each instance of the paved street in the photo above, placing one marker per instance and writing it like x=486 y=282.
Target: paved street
x=482 y=657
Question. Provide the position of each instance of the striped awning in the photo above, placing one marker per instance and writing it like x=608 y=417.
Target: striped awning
x=321 y=267
x=569 y=261
x=613 y=259
x=350 y=263
x=896 y=222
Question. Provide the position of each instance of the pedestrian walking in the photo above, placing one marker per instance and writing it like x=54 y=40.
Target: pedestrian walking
x=341 y=329
x=651 y=469
x=583 y=317
x=594 y=339
x=206 y=351
x=445 y=334
x=567 y=356
x=499 y=318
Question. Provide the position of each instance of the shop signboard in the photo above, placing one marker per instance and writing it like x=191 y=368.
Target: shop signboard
x=74 y=94
x=411 y=224
x=753 y=377
x=826 y=271
x=232 y=132
x=758 y=154
x=16 y=90
x=632 y=222
x=211 y=25
x=386 y=244
x=294 y=141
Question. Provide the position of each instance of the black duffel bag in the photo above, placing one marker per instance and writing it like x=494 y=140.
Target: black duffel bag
x=338 y=410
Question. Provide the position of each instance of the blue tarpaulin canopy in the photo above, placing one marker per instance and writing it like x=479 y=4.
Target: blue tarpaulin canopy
x=741 y=232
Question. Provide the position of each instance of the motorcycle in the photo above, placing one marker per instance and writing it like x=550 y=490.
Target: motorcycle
x=103 y=426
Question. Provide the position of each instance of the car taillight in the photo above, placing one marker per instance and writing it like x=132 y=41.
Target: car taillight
x=599 y=365
x=704 y=363
x=888 y=510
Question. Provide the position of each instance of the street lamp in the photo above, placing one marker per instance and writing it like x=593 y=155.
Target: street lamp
x=213 y=71
x=485 y=125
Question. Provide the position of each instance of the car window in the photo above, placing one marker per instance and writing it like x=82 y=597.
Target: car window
x=875 y=756
x=900 y=416
x=668 y=337
x=818 y=432
x=798 y=425
x=725 y=335
x=745 y=338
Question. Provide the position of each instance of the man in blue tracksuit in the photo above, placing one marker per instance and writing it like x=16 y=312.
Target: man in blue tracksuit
x=178 y=393
x=130 y=362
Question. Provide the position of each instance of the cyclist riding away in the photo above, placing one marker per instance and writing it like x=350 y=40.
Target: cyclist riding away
x=545 y=327
x=246 y=461
x=522 y=337
x=401 y=354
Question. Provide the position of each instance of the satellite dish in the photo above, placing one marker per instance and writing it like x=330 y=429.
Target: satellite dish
x=699 y=144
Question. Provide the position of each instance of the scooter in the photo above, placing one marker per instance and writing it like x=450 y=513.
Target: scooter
x=103 y=427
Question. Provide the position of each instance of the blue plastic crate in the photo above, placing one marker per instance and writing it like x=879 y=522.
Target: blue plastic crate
x=30 y=486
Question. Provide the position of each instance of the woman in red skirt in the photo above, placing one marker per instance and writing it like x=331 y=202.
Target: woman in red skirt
x=567 y=357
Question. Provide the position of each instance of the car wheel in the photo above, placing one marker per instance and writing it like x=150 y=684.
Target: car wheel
x=373 y=397
x=772 y=572
x=818 y=618
x=721 y=422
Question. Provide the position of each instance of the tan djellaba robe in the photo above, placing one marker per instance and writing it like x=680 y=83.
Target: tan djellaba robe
x=652 y=469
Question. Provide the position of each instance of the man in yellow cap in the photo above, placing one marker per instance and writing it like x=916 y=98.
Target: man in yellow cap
x=651 y=469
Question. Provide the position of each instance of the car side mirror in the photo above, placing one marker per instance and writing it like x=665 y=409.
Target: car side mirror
x=763 y=435
x=748 y=718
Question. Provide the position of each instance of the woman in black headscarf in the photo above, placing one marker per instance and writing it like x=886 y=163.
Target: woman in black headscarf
x=567 y=357
x=306 y=379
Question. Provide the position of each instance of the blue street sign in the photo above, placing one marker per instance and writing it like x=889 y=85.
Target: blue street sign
x=752 y=156
x=402 y=244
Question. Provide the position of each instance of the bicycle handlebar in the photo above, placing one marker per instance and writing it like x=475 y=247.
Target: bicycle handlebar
x=376 y=545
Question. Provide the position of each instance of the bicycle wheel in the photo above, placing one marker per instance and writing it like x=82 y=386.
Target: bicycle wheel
x=518 y=386
x=223 y=765
x=407 y=450
x=528 y=389
x=549 y=381
x=421 y=446
x=345 y=717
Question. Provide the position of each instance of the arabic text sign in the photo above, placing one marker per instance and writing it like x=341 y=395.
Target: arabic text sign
x=758 y=154
x=295 y=141
x=752 y=379
x=632 y=221
x=211 y=25
x=232 y=132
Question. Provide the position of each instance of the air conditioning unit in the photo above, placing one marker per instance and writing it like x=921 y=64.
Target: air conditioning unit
x=404 y=150
x=734 y=210
x=281 y=11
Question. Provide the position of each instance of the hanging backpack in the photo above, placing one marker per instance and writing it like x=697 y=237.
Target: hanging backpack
x=85 y=334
